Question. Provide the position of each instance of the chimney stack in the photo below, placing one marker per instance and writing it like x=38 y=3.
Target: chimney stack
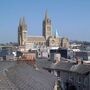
x=57 y=57
x=79 y=61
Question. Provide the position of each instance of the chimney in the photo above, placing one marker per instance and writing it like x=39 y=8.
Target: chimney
x=79 y=61
x=56 y=86
x=57 y=57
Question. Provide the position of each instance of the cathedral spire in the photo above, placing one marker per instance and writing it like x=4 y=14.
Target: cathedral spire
x=56 y=33
x=20 y=22
x=46 y=15
x=23 y=21
x=22 y=32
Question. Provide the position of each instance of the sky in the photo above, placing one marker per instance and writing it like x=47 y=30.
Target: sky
x=71 y=18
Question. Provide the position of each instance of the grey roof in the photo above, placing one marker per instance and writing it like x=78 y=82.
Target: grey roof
x=48 y=64
x=35 y=38
x=22 y=76
x=65 y=66
x=81 y=68
x=6 y=64
x=5 y=83
x=43 y=63
x=72 y=67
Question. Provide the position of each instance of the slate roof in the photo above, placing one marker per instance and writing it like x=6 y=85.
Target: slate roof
x=6 y=64
x=65 y=66
x=24 y=76
x=43 y=63
x=48 y=64
x=5 y=83
x=21 y=76
x=72 y=67
x=81 y=68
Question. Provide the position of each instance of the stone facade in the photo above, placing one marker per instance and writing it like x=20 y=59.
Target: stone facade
x=72 y=76
x=47 y=39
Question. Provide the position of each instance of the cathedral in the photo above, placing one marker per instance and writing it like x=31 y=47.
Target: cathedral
x=47 y=39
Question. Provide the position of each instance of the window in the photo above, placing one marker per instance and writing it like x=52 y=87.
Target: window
x=49 y=71
x=79 y=79
x=58 y=73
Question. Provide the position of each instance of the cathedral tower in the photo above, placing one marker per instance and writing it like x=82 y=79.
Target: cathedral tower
x=22 y=32
x=47 y=27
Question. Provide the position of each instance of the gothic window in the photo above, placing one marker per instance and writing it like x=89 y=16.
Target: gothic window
x=49 y=28
x=53 y=41
x=48 y=21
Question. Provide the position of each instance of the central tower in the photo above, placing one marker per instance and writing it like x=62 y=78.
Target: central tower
x=46 y=27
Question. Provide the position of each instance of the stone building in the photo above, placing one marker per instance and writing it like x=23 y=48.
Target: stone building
x=71 y=75
x=47 y=39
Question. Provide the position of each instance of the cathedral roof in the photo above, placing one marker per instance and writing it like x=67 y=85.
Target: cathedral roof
x=36 y=38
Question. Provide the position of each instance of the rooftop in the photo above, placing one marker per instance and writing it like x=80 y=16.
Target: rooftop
x=65 y=66
x=36 y=38
x=23 y=76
